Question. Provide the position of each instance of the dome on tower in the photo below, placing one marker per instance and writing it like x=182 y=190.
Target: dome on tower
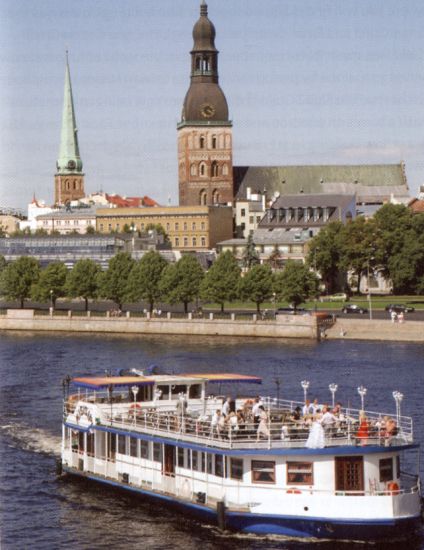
x=204 y=32
x=205 y=101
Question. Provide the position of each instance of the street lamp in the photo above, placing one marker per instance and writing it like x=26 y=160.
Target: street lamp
x=274 y=295
x=305 y=386
x=333 y=389
x=51 y=299
x=362 y=392
x=369 y=289
x=398 y=398
x=134 y=390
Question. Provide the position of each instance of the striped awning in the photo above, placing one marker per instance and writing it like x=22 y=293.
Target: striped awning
x=104 y=382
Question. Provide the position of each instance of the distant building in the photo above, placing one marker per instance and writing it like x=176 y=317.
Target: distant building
x=417 y=206
x=9 y=223
x=67 y=220
x=69 y=178
x=308 y=211
x=116 y=201
x=371 y=183
x=188 y=227
x=248 y=213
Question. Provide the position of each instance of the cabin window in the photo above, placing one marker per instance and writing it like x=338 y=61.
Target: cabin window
x=219 y=465
x=299 y=473
x=90 y=444
x=81 y=442
x=236 y=468
x=144 y=449
x=165 y=392
x=210 y=463
x=398 y=466
x=133 y=447
x=386 y=469
x=263 y=471
x=180 y=457
x=203 y=462
x=195 y=391
x=121 y=444
x=157 y=452
x=194 y=460
x=177 y=389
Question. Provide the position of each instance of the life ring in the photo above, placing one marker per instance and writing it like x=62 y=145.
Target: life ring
x=294 y=491
x=393 y=488
x=134 y=408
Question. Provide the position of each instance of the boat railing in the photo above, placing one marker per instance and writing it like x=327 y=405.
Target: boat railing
x=278 y=430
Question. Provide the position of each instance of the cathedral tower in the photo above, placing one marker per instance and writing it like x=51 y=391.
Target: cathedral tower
x=69 y=179
x=205 y=157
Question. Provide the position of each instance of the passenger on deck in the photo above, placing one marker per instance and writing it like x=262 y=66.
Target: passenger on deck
x=337 y=409
x=307 y=408
x=226 y=408
x=240 y=420
x=364 y=429
x=263 y=430
x=256 y=410
x=216 y=424
x=232 y=424
x=315 y=406
x=328 y=419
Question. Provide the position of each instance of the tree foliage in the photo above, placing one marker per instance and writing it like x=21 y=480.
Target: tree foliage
x=221 y=282
x=250 y=255
x=51 y=283
x=257 y=285
x=181 y=281
x=113 y=282
x=82 y=280
x=296 y=283
x=324 y=254
x=18 y=277
x=144 y=279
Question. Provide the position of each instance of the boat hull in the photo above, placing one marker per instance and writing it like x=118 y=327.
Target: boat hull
x=267 y=524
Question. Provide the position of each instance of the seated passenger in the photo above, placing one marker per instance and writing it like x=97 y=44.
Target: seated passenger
x=363 y=431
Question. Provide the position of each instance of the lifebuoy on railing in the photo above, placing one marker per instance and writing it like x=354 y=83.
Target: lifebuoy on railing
x=393 y=488
x=134 y=409
x=294 y=491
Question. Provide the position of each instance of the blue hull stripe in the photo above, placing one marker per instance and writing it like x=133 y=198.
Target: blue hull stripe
x=292 y=526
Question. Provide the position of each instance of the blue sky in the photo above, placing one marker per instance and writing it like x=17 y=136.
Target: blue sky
x=307 y=82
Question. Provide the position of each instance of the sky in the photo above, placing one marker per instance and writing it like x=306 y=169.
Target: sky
x=307 y=82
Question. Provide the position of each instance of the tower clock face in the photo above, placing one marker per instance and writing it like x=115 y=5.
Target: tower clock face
x=207 y=110
x=71 y=164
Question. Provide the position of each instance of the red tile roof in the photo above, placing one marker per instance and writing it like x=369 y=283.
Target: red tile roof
x=131 y=202
x=417 y=206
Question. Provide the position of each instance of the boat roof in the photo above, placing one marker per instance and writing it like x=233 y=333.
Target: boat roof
x=103 y=382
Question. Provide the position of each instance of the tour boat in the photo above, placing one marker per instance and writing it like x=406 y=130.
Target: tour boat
x=276 y=472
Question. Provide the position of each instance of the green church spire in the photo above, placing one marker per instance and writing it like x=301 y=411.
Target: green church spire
x=69 y=161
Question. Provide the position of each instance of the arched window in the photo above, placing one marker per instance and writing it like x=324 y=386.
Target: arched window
x=177 y=241
x=215 y=196
x=203 y=169
x=193 y=170
x=75 y=185
x=213 y=142
x=202 y=142
x=203 y=197
x=194 y=241
x=214 y=169
x=198 y=63
x=185 y=241
x=203 y=241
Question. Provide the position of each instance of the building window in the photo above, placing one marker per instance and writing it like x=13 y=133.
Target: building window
x=177 y=241
x=121 y=444
x=144 y=448
x=193 y=170
x=299 y=473
x=214 y=169
x=117 y=227
x=202 y=142
x=203 y=197
x=251 y=219
x=243 y=212
x=203 y=241
x=203 y=169
x=215 y=196
x=133 y=447
x=185 y=241
x=185 y=226
x=168 y=226
x=45 y=223
x=177 y=226
x=101 y=227
x=193 y=226
x=263 y=471
x=157 y=452
x=67 y=222
x=236 y=468
x=194 y=241
x=213 y=142
x=109 y=227
x=386 y=469
x=202 y=226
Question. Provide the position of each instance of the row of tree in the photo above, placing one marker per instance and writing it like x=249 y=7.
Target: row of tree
x=153 y=279
x=390 y=243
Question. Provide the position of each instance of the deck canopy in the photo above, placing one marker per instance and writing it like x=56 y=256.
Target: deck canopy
x=103 y=382
x=228 y=377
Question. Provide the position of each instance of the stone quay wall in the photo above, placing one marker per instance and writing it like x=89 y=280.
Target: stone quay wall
x=285 y=326
x=385 y=330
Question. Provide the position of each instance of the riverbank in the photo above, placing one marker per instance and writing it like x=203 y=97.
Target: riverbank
x=383 y=330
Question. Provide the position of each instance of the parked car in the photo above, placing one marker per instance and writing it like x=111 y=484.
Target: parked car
x=354 y=308
x=339 y=297
x=399 y=308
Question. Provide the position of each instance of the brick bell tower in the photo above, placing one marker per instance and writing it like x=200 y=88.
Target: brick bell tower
x=69 y=179
x=205 y=151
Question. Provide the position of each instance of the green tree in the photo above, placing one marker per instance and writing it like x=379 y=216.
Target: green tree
x=3 y=264
x=144 y=279
x=181 y=281
x=51 y=283
x=113 y=282
x=159 y=229
x=324 y=254
x=250 y=255
x=18 y=277
x=221 y=282
x=90 y=230
x=257 y=285
x=41 y=232
x=296 y=283
x=82 y=280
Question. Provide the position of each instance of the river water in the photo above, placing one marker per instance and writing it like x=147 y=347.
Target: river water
x=40 y=511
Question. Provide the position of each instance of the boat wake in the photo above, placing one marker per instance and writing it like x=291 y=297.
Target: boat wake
x=32 y=439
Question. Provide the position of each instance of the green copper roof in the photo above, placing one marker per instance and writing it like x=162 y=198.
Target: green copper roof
x=69 y=160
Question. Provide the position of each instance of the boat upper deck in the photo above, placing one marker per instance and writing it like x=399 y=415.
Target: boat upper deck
x=177 y=407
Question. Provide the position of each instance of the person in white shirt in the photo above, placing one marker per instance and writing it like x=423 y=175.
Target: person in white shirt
x=226 y=407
